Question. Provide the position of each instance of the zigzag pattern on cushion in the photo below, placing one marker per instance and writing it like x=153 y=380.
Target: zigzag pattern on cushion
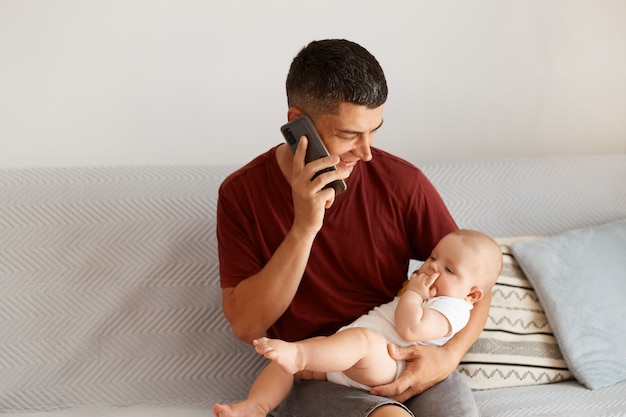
x=502 y=374
x=109 y=296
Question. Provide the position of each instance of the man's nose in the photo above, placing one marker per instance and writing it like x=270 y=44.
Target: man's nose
x=363 y=149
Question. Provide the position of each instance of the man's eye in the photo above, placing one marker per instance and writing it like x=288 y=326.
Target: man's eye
x=348 y=137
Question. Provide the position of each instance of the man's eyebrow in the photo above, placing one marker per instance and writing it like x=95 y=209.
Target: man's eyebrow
x=356 y=132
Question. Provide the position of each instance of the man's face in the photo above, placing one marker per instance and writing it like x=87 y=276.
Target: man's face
x=350 y=133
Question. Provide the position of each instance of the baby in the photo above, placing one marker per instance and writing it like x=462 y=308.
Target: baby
x=434 y=304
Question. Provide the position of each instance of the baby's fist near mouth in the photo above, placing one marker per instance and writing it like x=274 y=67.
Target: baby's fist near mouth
x=432 y=292
x=423 y=284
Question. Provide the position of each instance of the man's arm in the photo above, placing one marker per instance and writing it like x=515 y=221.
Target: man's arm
x=428 y=365
x=257 y=302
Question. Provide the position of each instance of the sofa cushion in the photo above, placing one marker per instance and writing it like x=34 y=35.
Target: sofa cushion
x=580 y=279
x=110 y=291
x=517 y=346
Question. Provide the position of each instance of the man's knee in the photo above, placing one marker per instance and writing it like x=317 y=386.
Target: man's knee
x=389 y=410
x=450 y=397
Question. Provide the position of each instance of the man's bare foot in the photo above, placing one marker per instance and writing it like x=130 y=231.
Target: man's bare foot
x=242 y=409
x=289 y=356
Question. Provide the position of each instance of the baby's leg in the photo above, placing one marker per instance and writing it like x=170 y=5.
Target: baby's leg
x=243 y=409
x=267 y=392
x=361 y=351
x=289 y=356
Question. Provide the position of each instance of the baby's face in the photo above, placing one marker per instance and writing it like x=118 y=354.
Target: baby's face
x=456 y=264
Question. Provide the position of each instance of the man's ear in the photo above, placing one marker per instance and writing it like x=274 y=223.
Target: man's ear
x=293 y=112
x=476 y=294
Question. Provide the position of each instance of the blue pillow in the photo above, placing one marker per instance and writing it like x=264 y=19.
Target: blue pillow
x=580 y=280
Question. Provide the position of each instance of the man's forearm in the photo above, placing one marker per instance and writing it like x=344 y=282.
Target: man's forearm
x=257 y=302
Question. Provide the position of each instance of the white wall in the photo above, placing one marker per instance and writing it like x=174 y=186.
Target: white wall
x=201 y=81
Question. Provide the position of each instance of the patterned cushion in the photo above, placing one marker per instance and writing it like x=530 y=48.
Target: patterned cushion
x=517 y=346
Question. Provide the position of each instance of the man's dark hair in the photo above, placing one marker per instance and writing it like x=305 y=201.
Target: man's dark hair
x=328 y=72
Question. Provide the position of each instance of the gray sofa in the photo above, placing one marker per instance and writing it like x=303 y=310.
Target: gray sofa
x=110 y=301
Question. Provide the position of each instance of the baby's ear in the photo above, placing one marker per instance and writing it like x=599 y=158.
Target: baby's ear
x=476 y=294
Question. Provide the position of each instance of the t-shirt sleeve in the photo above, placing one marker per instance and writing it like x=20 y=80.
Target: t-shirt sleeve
x=237 y=255
x=457 y=311
x=430 y=218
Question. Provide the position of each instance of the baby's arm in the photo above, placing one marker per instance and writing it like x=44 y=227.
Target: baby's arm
x=413 y=322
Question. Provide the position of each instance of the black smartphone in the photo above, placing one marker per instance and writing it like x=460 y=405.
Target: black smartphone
x=302 y=126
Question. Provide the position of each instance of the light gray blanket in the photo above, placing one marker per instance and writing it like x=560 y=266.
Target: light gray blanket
x=110 y=287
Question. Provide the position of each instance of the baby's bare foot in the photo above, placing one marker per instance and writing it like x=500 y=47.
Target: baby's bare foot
x=289 y=356
x=242 y=409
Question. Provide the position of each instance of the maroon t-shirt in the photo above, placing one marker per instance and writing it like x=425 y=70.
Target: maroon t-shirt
x=390 y=213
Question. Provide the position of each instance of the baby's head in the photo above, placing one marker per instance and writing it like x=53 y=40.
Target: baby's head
x=468 y=262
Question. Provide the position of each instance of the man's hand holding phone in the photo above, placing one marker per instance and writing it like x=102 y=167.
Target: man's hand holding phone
x=301 y=127
x=315 y=179
x=311 y=198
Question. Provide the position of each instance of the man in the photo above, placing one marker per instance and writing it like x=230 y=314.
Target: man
x=298 y=261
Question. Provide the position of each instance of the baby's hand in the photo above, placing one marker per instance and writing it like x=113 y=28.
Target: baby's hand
x=422 y=284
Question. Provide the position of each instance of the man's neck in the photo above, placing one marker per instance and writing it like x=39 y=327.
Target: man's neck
x=284 y=157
